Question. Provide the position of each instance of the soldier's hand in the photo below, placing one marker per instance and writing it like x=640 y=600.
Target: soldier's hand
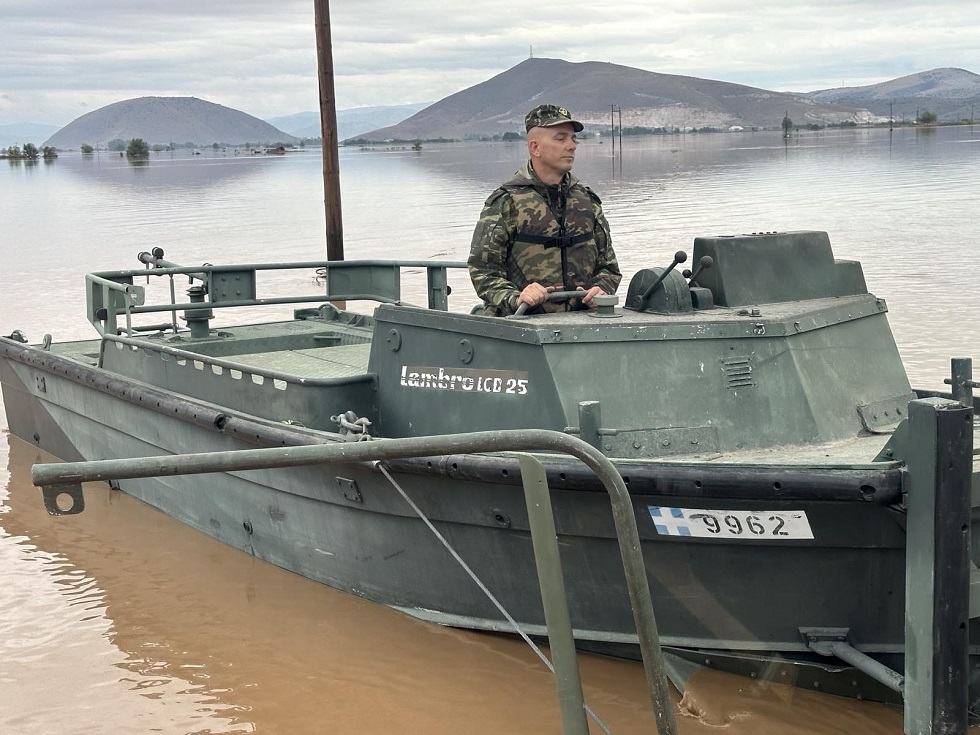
x=535 y=294
x=590 y=294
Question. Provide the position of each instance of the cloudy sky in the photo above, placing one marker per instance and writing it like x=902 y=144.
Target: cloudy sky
x=62 y=58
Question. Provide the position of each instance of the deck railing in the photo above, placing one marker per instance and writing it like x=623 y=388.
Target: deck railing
x=64 y=479
x=114 y=295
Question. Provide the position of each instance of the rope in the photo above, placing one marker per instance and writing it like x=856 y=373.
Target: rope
x=483 y=587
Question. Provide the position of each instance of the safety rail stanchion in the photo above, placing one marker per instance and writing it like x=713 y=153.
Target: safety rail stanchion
x=961 y=380
x=937 y=580
x=65 y=478
x=544 y=538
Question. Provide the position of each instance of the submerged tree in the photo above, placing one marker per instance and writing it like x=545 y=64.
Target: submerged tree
x=787 y=125
x=927 y=118
x=86 y=148
x=137 y=148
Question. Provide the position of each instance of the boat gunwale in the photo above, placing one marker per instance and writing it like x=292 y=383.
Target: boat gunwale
x=760 y=482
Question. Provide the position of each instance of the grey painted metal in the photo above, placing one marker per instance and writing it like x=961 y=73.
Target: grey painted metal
x=775 y=266
x=974 y=592
x=833 y=642
x=878 y=485
x=198 y=319
x=589 y=420
x=962 y=381
x=229 y=364
x=201 y=271
x=544 y=538
x=692 y=393
x=438 y=285
x=112 y=293
x=938 y=567
x=163 y=402
x=71 y=473
x=862 y=662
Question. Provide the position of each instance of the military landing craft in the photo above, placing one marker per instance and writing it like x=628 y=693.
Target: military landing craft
x=756 y=409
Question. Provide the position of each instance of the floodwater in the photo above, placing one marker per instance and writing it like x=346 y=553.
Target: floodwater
x=120 y=620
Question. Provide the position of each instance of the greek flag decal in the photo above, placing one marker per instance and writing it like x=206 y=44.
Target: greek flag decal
x=670 y=521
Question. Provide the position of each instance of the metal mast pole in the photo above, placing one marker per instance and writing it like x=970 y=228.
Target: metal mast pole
x=328 y=132
x=619 y=111
x=612 y=127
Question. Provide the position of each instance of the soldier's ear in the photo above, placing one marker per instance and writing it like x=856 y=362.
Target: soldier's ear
x=533 y=147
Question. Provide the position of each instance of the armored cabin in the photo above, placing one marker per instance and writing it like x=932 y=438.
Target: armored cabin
x=776 y=343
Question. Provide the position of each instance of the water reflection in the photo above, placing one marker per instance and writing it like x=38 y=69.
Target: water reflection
x=179 y=170
x=62 y=662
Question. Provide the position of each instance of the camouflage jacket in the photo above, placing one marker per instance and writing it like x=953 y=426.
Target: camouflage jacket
x=529 y=231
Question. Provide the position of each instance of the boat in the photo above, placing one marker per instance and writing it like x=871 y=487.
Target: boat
x=757 y=410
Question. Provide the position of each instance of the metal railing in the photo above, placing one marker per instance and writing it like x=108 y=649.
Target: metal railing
x=113 y=294
x=59 y=479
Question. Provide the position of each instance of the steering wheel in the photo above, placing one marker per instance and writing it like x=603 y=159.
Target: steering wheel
x=555 y=296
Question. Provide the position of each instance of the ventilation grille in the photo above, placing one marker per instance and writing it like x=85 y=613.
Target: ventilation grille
x=738 y=372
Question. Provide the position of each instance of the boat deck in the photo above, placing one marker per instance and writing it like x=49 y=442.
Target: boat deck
x=335 y=361
x=340 y=361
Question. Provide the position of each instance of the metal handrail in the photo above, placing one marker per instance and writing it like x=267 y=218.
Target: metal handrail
x=64 y=478
x=298 y=265
x=110 y=293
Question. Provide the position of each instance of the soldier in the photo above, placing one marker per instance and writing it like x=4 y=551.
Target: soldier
x=543 y=230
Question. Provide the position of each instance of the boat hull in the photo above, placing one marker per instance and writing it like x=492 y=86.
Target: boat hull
x=349 y=527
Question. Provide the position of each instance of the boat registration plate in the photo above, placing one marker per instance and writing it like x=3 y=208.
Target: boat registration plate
x=775 y=525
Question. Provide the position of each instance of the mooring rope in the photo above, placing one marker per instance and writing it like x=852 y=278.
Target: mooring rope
x=547 y=662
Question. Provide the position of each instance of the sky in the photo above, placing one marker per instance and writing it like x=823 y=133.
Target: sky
x=62 y=58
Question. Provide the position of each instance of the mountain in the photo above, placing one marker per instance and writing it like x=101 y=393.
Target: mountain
x=647 y=99
x=167 y=119
x=20 y=133
x=953 y=94
x=299 y=124
x=350 y=122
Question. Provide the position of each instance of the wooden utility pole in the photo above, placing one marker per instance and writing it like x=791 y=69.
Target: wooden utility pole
x=328 y=132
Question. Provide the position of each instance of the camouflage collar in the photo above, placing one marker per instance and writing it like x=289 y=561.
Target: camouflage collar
x=526 y=177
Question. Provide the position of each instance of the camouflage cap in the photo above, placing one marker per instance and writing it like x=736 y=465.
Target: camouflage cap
x=544 y=116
